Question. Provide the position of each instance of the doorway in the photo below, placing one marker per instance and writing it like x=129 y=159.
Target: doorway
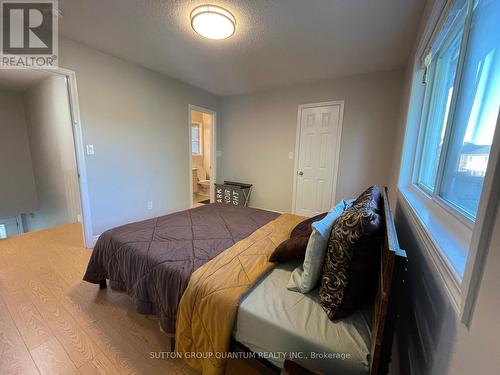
x=202 y=161
x=42 y=143
x=317 y=151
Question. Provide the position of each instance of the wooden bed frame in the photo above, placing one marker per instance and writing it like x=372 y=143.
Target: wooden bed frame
x=385 y=313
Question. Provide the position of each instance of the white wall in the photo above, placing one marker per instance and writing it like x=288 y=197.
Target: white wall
x=137 y=121
x=258 y=131
x=51 y=142
x=17 y=184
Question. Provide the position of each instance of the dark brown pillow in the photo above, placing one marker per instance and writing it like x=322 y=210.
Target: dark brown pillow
x=304 y=227
x=352 y=258
x=293 y=248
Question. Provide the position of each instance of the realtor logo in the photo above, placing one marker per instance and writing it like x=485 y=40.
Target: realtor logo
x=28 y=34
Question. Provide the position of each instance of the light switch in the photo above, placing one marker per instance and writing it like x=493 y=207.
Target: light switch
x=290 y=155
x=150 y=205
x=90 y=149
x=218 y=153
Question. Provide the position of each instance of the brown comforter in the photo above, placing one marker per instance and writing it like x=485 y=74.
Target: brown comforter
x=152 y=260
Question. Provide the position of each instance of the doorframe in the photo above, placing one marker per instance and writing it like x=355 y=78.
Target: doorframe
x=81 y=168
x=213 y=152
x=340 y=103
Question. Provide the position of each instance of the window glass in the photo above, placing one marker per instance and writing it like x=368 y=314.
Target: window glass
x=476 y=111
x=195 y=139
x=441 y=81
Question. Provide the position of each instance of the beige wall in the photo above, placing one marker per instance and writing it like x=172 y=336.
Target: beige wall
x=51 y=142
x=17 y=184
x=258 y=131
x=137 y=121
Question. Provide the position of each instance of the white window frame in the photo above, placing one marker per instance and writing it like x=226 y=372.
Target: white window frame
x=433 y=195
x=436 y=225
x=200 y=129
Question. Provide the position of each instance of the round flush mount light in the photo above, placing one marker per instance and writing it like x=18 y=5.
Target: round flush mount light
x=213 y=22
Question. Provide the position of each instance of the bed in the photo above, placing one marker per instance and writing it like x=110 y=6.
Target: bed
x=153 y=261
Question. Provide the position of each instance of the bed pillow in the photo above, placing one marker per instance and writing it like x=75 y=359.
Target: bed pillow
x=304 y=227
x=290 y=249
x=295 y=247
x=304 y=278
x=324 y=227
x=351 y=263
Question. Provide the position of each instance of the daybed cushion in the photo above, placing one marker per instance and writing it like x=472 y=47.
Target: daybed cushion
x=273 y=319
x=353 y=255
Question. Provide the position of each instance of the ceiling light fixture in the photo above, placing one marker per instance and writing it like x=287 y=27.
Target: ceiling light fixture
x=213 y=22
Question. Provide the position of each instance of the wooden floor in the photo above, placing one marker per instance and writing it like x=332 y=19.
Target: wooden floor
x=52 y=322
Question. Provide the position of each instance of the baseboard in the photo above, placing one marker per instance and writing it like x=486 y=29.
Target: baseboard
x=267 y=209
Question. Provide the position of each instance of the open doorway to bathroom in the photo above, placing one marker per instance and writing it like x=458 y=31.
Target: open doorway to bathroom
x=202 y=127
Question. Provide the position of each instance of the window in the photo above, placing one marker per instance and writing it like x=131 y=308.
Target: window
x=3 y=231
x=461 y=105
x=195 y=139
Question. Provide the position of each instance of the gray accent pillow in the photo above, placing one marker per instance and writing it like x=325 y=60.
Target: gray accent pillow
x=304 y=278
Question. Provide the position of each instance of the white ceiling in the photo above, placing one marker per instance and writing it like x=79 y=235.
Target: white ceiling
x=20 y=79
x=277 y=42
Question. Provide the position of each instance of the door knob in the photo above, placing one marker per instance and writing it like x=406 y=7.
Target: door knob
x=301 y=173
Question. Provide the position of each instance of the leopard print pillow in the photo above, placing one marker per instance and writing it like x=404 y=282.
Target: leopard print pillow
x=351 y=259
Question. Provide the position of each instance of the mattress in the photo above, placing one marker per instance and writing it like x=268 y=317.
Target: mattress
x=152 y=260
x=275 y=322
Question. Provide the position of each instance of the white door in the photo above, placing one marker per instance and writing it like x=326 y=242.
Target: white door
x=317 y=153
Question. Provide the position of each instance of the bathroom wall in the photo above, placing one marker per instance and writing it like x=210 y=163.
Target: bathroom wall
x=203 y=160
x=207 y=144
x=197 y=160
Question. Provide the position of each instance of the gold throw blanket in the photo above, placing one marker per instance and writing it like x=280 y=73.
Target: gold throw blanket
x=208 y=306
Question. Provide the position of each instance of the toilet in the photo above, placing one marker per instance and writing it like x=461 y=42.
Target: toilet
x=203 y=182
